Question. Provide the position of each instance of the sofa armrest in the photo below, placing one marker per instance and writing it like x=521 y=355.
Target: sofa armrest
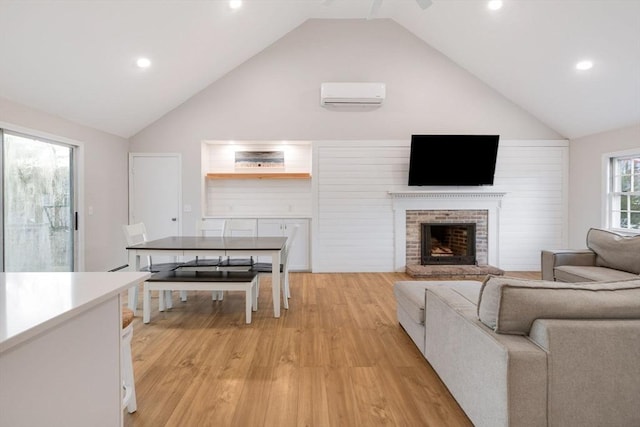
x=554 y=258
x=594 y=374
x=498 y=380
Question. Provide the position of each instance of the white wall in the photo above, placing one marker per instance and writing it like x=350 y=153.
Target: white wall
x=586 y=194
x=105 y=181
x=275 y=96
x=354 y=226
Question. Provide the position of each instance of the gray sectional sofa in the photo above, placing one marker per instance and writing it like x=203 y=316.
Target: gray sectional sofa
x=530 y=353
x=608 y=256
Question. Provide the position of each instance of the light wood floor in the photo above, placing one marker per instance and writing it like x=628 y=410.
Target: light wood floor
x=337 y=357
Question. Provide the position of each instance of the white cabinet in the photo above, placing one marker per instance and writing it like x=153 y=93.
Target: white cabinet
x=299 y=259
x=60 y=352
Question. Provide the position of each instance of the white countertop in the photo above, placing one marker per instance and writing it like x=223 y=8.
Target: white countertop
x=31 y=303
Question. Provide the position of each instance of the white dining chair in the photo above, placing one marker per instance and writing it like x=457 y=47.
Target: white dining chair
x=137 y=233
x=206 y=228
x=267 y=268
x=213 y=228
x=239 y=227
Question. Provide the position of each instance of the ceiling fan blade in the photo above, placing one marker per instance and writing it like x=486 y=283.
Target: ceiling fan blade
x=424 y=3
x=375 y=5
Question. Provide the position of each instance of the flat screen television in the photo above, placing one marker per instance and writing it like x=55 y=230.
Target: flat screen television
x=452 y=160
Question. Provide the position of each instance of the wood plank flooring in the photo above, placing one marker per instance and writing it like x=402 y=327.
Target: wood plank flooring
x=337 y=357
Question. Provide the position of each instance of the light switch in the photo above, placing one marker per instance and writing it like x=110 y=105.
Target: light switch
x=187 y=208
x=90 y=210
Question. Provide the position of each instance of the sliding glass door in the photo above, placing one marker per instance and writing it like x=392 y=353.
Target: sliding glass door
x=37 y=204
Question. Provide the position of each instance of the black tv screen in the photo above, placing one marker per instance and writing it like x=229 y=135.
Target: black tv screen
x=453 y=159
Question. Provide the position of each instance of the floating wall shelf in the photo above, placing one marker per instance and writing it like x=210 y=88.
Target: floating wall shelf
x=259 y=175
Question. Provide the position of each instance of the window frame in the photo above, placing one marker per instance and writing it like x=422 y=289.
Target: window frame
x=609 y=193
x=78 y=190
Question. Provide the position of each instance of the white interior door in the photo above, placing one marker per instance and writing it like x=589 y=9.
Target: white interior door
x=155 y=194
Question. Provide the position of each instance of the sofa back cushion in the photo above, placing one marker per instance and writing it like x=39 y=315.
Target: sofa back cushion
x=614 y=250
x=509 y=305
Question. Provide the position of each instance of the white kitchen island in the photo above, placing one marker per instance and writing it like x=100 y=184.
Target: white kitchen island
x=60 y=348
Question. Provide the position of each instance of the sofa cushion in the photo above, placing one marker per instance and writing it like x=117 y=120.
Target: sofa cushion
x=410 y=295
x=582 y=273
x=510 y=305
x=614 y=250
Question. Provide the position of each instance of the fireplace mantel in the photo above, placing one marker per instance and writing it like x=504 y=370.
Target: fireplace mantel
x=445 y=200
x=471 y=195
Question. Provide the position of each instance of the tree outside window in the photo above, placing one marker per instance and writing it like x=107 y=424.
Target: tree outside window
x=37 y=186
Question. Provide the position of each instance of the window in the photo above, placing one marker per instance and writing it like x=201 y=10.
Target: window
x=38 y=188
x=624 y=192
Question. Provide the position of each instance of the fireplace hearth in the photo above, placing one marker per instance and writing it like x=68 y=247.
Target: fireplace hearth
x=448 y=244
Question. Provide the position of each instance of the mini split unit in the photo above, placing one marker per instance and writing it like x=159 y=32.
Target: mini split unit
x=352 y=94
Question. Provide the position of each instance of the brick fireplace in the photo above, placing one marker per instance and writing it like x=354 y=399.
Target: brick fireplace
x=447 y=243
x=413 y=208
x=416 y=218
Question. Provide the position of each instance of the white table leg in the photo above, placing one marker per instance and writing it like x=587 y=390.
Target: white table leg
x=248 y=300
x=254 y=292
x=146 y=303
x=160 y=300
x=183 y=294
x=275 y=282
x=168 y=298
x=132 y=296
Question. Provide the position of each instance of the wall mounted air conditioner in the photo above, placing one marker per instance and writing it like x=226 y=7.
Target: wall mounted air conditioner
x=352 y=94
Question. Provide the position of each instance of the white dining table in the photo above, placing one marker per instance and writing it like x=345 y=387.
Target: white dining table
x=203 y=246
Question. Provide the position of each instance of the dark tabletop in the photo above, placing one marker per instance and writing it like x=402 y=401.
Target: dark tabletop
x=213 y=243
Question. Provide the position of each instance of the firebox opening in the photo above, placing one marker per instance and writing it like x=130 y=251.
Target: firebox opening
x=451 y=244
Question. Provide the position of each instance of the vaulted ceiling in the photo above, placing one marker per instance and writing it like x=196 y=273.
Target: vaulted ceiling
x=77 y=59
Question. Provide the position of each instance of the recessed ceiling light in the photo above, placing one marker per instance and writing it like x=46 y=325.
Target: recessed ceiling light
x=143 y=62
x=584 y=65
x=494 y=4
x=235 y=4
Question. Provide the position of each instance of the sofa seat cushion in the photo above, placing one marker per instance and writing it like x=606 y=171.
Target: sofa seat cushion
x=581 y=273
x=510 y=306
x=614 y=250
x=410 y=295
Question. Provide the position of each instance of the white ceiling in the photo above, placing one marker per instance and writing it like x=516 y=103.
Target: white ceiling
x=76 y=59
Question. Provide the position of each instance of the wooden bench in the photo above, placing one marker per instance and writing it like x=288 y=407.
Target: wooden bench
x=246 y=281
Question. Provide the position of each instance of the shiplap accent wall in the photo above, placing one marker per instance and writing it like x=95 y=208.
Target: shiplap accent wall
x=535 y=176
x=256 y=197
x=352 y=210
x=353 y=225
